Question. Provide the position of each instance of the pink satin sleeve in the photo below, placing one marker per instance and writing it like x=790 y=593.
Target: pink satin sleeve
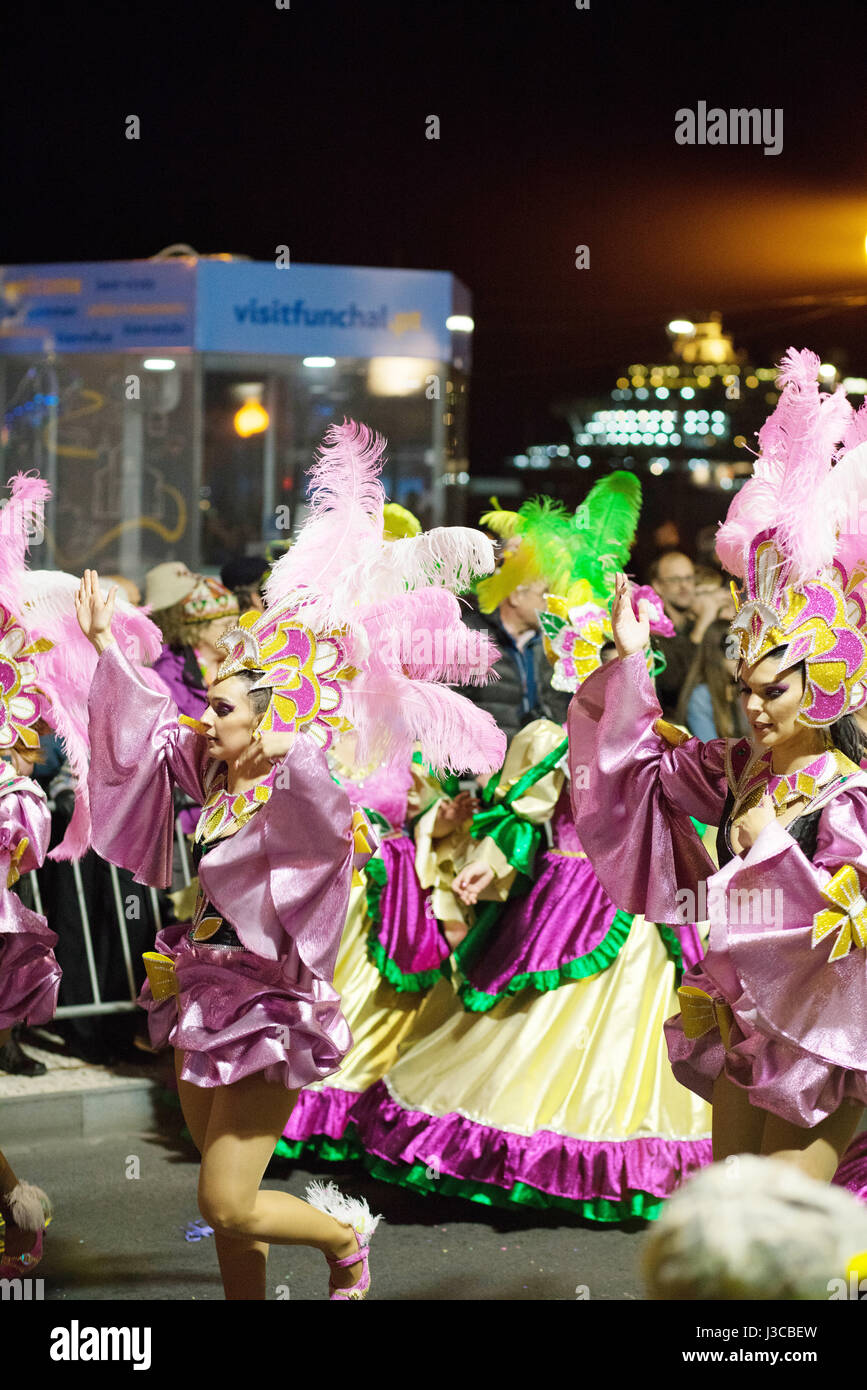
x=288 y=871
x=761 y=909
x=24 y=815
x=633 y=794
x=138 y=750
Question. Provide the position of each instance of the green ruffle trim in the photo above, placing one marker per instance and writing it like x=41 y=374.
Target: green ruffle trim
x=330 y=1150
x=593 y=963
x=639 y=1205
x=401 y=981
x=672 y=945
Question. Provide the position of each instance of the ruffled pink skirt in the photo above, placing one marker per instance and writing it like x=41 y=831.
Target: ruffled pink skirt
x=777 y=1075
x=237 y=1014
x=29 y=975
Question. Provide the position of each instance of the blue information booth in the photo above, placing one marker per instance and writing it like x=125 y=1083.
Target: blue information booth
x=173 y=405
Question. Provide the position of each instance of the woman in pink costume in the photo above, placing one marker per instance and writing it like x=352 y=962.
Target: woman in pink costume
x=45 y=672
x=246 y=995
x=769 y=1029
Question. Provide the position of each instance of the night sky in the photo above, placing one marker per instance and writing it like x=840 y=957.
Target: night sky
x=306 y=127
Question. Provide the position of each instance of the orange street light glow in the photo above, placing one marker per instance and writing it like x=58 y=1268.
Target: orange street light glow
x=252 y=418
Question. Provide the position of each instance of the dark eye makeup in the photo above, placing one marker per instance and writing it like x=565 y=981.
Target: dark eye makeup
x=772 y=692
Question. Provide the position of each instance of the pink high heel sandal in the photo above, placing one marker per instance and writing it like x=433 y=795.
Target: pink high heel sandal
x=360 y=1287
x=349 y=1211
x=30 y=1210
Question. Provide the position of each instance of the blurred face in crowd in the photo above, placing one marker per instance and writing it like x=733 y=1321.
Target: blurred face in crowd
x=675 y=582
x=208 y=634
x=525 y=604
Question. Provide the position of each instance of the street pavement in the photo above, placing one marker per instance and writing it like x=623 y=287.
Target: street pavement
x=119 y=1236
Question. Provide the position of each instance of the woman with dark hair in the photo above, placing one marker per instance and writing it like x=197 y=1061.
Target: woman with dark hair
x=246 y=995
x=770 y=1027
x=708 y=704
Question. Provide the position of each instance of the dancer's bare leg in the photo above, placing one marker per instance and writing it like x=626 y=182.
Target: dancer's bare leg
x=737 y=1126
x=815 y=1151
x=243 y=1261
x=246 y=1120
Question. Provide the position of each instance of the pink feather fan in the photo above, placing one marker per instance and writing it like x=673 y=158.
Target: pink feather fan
x=797 y=446
x=67 y=670
x=392 y=604
x=43 y=601
x=847 y=495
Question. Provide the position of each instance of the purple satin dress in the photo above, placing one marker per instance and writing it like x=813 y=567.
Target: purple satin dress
x=29 y=974
x=798 y=1043
x=282 y=882
x=406 y=942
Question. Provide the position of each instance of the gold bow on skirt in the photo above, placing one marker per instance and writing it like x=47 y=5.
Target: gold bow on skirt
x=162 y=976
x=848 y=911
x=700 y=1014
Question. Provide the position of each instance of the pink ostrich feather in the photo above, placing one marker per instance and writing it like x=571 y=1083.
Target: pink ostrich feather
x=846 y=498
x=423 y=634
x=797 y=447
x=66 y=672
x=386 y=790
x=451 y=557
x=392 y=713
x=20 y=518
x=321 y=573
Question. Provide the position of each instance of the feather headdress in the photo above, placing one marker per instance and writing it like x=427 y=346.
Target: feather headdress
x=41 y=604
x=390 y=609
x=789 y=536
x=583 y=557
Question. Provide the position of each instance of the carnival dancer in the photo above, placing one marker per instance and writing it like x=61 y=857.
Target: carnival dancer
x=768 y=1030
x=246 y=996
x=546 y=1083
x=45 y=671
x=393 y=948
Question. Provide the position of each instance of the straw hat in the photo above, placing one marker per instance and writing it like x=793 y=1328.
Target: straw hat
x=168 y=583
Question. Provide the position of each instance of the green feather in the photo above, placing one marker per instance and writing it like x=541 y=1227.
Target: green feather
x=605 y=526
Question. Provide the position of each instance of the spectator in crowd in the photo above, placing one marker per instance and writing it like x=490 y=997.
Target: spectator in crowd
x=523 y=691
x=244 y=576
x=128 y=588
x=192 y=613
x=672 y=575
x=709 y=705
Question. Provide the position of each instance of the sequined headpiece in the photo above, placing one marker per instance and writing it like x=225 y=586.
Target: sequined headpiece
x=580 y=553
x=208 y=601
x=22 y=703
x=820 y=623
x=305 y=674
x=787 y=537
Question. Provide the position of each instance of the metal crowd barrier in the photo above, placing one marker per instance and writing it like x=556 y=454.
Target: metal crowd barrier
x=99 y=1005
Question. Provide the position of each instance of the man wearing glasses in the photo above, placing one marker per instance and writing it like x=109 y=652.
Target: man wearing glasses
x=672 y=575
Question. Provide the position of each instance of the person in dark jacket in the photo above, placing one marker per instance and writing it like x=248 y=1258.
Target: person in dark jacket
x=523 y=691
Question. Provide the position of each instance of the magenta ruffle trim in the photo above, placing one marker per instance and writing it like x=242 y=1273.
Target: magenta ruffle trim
x=576 y=1169
x=316 y=1113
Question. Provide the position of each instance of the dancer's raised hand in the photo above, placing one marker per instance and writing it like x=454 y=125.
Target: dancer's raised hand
x=94 y=614
x=631 y=634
